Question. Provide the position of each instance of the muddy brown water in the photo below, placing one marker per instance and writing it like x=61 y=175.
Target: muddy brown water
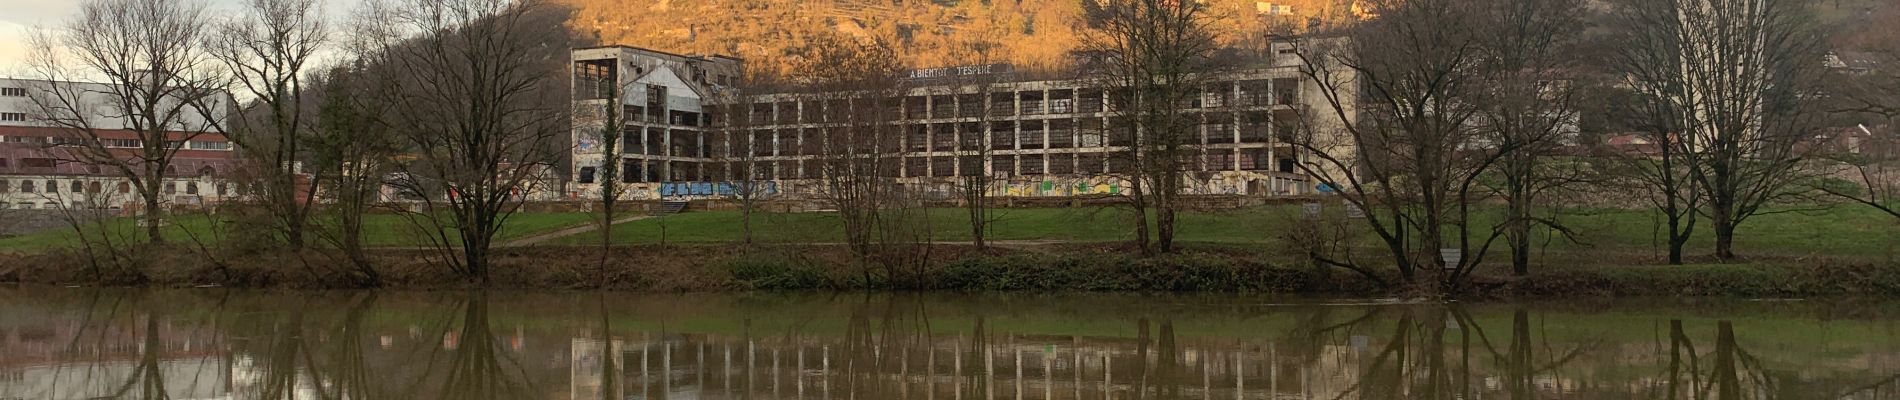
x=63 y=343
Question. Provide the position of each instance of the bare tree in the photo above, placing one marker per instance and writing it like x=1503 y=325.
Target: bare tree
x=350 y=142
x=1646 y=54
x=857 y=87
x=1152 y=57
x=1867 y=85
x=1865 y=89
x=609 y=119
x=975 y=185
x=737 y=151
x=157 y=90
x=478 y=104
x=1396 y=133
x=267 y=51
x=1742 y=76
x=1528 y=104
x=1876 y=177
x=355 y=151
x=1654 y=163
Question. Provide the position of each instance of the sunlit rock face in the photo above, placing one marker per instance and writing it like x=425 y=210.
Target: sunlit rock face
x=1029 y=33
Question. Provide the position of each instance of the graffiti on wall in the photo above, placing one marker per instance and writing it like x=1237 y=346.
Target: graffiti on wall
x=714 y=189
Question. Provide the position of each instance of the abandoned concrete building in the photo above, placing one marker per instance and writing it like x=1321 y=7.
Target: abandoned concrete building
x=1036 y=136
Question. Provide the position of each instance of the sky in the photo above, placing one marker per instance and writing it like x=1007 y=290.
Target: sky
x=18 y=18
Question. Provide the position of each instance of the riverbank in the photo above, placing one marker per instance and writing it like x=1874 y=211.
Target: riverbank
x=1041 y=268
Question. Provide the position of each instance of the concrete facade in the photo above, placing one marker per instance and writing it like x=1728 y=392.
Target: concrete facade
x=1038 y=137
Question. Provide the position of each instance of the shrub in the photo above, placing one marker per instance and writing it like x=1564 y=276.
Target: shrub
x=762 y=272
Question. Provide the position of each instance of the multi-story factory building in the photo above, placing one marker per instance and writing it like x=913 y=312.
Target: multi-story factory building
x=1038 y=137
x=42 y=166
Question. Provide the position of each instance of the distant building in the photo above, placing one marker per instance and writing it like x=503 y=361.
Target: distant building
x=1040 y=137
x=39 y=169
x=1269 y=8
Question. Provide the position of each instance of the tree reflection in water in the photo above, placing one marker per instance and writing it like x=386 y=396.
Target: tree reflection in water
x=83 y=344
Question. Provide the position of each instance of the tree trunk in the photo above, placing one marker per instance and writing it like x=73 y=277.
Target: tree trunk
x=745 y=220
x=1140 y=203
x=606 y=229
x=353 y=243
x=1164 y=228
x=152 y=217
x=1724 y=225
x=475 y=240
x=1677 y=236
x=293 y=232
x=1518 y=230
x=977 y=224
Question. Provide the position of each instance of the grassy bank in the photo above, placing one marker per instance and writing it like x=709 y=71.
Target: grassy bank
x=1839 y=232
x=1837 y=251
x=384 y=230
x=956 y=268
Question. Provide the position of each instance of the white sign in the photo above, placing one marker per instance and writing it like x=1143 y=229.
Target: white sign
x=1451 y=257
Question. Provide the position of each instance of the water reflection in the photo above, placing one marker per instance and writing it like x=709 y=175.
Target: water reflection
x=89 y=344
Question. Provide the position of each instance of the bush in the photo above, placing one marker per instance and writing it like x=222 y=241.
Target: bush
x=765 y=272
x=1742 y=280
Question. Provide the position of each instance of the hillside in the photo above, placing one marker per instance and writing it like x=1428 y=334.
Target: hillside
x=1028 y=33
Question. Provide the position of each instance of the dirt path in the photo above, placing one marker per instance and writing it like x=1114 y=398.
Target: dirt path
x=543 y=237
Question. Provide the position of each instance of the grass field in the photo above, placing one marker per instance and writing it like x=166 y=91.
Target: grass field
x=1843 y=231
x=380 y=230
x=1846 y=230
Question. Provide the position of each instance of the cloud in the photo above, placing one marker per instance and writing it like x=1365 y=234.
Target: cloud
x=13 y=47
x=30 y=12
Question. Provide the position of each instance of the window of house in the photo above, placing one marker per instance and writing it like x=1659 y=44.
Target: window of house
x=5 y=186
x=51 y=186
x=93 y=188
x=76 y=186
x=14 y=117
x=125 y=187
x=13 y=92
x=123 y=143
x=191 y=188
x=26 y=187
x=171 y=188
x=208 y=145
x=223 y=190
x=587 y=175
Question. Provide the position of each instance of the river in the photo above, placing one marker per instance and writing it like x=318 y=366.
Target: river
x=60 y=343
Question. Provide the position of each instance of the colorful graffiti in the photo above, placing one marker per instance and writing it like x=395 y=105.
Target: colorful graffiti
x=714 y=189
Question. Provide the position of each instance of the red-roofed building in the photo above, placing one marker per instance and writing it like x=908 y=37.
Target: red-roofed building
x=40 y=167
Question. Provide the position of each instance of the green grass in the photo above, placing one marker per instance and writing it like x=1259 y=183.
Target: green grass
x=1840 y=231
x=1844 y=230
x=945 y=224
x=382 y=230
